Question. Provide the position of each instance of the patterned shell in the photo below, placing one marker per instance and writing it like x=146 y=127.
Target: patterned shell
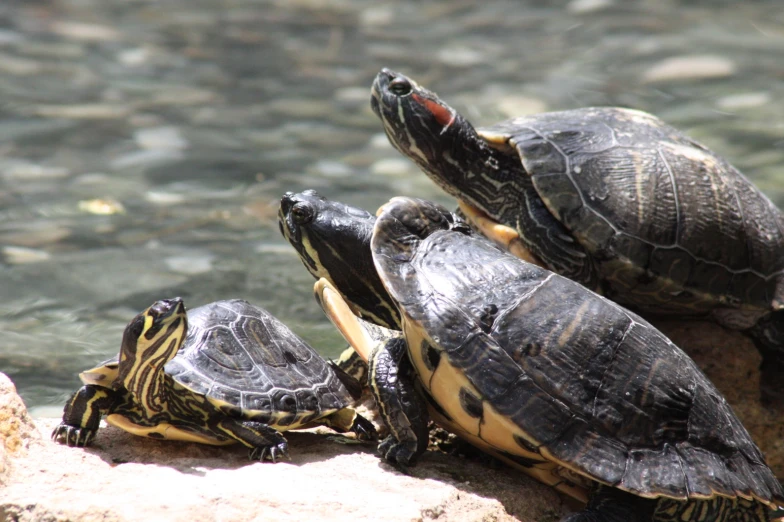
x=570 y=375
x=240 y=356
x=624 y=183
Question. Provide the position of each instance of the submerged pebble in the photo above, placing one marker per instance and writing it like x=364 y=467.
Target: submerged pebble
x=160 y=138
x=392 y=167
x=747 y=100
x=22 y=255
x=696 y=67
x=191 y=265
x=102 y=207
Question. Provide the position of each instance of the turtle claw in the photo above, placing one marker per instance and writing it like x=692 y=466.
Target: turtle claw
x=364 y=429
x=73 y=436
x=401 y=453
x=272 y=452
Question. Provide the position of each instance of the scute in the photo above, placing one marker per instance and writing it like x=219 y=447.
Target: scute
x=241 y=357
x=598 y=169
x=603 y=392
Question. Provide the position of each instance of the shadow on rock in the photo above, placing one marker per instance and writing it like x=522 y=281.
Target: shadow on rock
x=117 y=447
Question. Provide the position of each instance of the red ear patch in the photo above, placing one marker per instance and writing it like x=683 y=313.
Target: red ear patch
x=442 y=115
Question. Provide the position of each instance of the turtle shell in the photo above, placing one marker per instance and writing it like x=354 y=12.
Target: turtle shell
x=645 y=199
x=537 y=365
x=244 y=360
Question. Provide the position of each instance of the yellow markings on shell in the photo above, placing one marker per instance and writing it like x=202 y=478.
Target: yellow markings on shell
x=273 y=419
x=548 y=473
x=164 y=430
x=504 y=235
x=692 y=153
x=493 y=433
x=573 y=325
x=640 y=176
x=444 y=384
x=297 y=423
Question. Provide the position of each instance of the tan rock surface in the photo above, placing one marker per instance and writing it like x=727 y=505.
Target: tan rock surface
x=17 y=430
x=122 y=477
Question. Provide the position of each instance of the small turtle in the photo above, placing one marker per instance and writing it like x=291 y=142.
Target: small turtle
x=579 y=391
x=614 y=199
x=226 y=372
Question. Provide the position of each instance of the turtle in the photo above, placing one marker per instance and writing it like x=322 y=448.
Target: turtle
x=223 y=373
x=615 y=199
x=580 y=391
x=333 y=242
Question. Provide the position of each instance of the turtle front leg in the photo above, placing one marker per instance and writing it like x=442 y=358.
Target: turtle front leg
x=82 y=415
x=262 y=441
x=613 y=505
x=391 y=378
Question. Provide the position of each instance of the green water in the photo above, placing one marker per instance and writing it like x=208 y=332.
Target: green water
x=192 y=118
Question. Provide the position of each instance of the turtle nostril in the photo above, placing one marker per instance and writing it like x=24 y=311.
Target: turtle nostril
x=286 y=201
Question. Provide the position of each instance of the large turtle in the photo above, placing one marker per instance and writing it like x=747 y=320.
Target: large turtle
x=546 y=373
x=614 y=199
x=226 y=372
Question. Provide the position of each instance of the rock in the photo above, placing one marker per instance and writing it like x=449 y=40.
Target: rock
x=460 y=56
x=746 y=100
x=392 y=167
x=692 y=67
x=93 y=111
x=168 y=138
x=588 y=6
x=17 y=255
x=17 y=430
x=123 y=477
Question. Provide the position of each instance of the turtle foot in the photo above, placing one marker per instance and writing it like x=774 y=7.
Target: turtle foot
x=400 y=453
x=273 y=452
x=613 y=505
x=73 y=436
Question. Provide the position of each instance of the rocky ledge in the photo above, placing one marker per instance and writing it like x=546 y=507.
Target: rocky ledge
x=122 y=477
x=330 y=477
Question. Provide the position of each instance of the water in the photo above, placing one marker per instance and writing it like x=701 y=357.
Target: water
x=144 y=145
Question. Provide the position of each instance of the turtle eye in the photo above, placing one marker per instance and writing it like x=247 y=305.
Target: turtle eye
x=302 y=213
x=400 y=86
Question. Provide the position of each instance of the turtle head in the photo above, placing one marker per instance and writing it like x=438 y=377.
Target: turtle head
x=150 y=340
x=404 y=223
x=333 y=242
x=443 y=143
x=416 y=121
x=404 y=106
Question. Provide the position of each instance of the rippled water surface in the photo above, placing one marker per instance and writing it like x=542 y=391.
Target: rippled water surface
x=144 y=145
